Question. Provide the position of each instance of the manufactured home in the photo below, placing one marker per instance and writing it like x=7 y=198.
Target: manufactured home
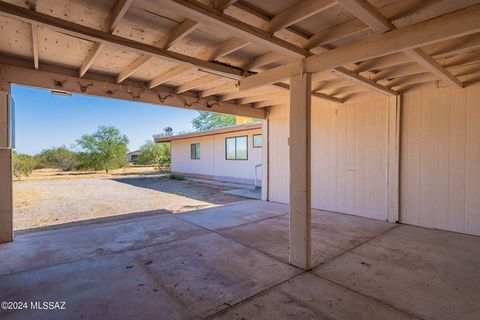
x=230 y=154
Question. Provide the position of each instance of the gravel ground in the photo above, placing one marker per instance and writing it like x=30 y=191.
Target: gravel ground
x=43 y=203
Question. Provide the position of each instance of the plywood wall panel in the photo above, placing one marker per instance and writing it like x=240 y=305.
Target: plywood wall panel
x=440 y=159
x=349 y=156
x=472 y=196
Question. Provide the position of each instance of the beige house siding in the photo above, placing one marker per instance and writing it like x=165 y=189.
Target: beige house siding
x=353 y=157
x=349 y=155
x=440 y=163
x=212 y=163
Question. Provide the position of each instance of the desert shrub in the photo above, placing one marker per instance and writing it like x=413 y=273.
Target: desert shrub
x=23 y=165
x=105 y=149
x=61 y=158
x=154 y=153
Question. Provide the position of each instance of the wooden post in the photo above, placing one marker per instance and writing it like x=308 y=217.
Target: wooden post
x=394 y=112
x=265 y=159
x=6 y=201
x=300 y=170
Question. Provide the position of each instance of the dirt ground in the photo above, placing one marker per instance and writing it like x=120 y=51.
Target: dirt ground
x=49 y=201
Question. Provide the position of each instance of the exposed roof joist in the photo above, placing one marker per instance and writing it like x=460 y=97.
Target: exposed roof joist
x=116 y=15
x=178 y=33
x=452 y=25
x=370 y=16
x=101 y=37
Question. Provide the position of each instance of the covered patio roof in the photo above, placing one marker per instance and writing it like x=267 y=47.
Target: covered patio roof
x=193 y=54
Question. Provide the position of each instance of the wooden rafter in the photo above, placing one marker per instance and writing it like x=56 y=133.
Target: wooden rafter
x=223 y=4
x=373 y=18
x=178 y=33
x=249 y=33
x=212 y=54
x=102 y=37
x=195 y=83
x=119 y=10
x=32 y=4
x=456 y=24
x=298 y=12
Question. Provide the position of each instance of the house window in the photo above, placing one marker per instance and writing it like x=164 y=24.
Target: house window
x=236 y=148
x=257 y=140
x=195 y=151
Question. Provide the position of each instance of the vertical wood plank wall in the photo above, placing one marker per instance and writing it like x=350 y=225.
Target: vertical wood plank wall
x=350 y=147
x=440 y=159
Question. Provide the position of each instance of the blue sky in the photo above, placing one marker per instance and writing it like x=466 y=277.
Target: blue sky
x=44 y=120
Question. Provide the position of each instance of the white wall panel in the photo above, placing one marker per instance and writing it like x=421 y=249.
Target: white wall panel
x=440 y=161
x=350 y=145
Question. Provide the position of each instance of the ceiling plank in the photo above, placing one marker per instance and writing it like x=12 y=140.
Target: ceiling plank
x=373 y=18
x=298 y=12
x=195 y=83
x=178 y=33
x=452 y=25
x=102 y=37
x=119 y=10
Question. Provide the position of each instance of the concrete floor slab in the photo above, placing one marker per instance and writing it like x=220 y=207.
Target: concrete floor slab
x=431 y=273
x=175 y=280
x=309 y=297
x=41 y=248
x=234 y=214
x=332 y=234
x=167 y=267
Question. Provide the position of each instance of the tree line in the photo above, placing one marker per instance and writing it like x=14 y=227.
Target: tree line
x=105 y=150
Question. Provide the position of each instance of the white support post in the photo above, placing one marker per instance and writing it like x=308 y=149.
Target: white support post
x=300 y=171
x=6 y=186
x=394 y=115
x=265 y=159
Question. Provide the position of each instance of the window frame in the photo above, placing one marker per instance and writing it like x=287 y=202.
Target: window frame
x=235 y=137
x=253 y=140
x=197 y=156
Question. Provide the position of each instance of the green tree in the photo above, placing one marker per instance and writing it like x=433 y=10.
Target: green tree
x=105 y=149
x=23 y=164
x=154 y=153
x=211 y=120
x=59 y=157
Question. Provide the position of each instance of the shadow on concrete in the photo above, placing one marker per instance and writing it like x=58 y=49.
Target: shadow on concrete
x=116 y=218
x=186 y=188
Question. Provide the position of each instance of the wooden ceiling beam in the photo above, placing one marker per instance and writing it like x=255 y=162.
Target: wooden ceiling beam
x=263 y=60
x=32 y=4
x=119 y=10
x=195 y=83
x=373 y=18
x=207 y=15
x=225 y=88
x=204 y=14
x=178 y=33
x=94 y=35
x=452 y=25
x=212 y=54
x=221 y=5
x=51 y=77
x=298 y=12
